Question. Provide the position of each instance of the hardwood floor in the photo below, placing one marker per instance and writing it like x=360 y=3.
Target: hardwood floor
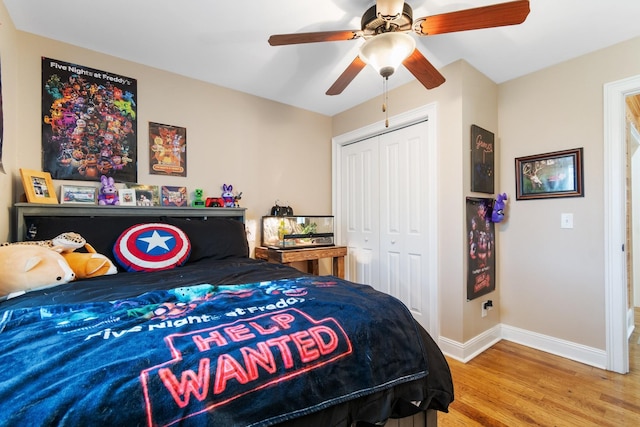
x=513 y=385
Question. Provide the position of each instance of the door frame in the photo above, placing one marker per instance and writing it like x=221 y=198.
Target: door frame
x=617 y=345
x=420 y=114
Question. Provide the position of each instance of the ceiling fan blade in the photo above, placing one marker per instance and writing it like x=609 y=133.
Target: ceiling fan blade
x=423 y=70
x=347 y=76
x=497 y=15
x=321 y=36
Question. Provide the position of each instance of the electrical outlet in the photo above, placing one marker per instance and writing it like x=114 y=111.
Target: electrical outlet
x=486 y=306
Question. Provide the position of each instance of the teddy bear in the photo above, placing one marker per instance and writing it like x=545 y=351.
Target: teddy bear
x=31 y=267
x=108 y=194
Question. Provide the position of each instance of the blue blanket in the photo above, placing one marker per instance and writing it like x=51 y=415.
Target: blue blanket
x=254 y=354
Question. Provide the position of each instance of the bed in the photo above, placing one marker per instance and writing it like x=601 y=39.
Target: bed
x=222 y=340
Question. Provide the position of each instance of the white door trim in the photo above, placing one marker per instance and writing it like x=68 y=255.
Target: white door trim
x=617 y=346
x=427 y=112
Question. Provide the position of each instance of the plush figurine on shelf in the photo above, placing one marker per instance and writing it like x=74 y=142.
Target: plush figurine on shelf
x=499 y=205
x=198 y=201
x=108 y=194
x=31 y=267
x=89 y=264
x=227 y=196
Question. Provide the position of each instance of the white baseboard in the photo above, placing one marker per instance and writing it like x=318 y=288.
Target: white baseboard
x=464 y=352
x=467 y=351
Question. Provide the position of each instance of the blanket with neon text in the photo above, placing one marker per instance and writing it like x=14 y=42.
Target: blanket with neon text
x=254 y=354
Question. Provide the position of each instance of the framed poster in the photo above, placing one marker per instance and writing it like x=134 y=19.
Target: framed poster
x=167 y=150
x=174 y=196
x=482 y=160
x=89 y=125
x=550 y=175
x=481 y=262
x=78 y=194
x=38 y=186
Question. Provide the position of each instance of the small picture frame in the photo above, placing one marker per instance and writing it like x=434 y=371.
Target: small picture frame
x=38 y=187
x=550 y=175
x=127 y=197
x=146 y=195
x=174 y=196
x=78 y=194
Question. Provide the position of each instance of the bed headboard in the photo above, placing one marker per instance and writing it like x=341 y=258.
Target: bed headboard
x=214 y=232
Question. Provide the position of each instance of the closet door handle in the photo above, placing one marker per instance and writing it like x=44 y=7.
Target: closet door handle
x=393 y=242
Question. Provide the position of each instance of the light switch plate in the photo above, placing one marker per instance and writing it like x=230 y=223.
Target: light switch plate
x=566 y=220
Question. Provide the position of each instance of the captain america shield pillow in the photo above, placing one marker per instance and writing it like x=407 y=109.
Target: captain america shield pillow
x=152 y=247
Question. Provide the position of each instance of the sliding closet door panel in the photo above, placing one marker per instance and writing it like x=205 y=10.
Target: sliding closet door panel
x=359 y=201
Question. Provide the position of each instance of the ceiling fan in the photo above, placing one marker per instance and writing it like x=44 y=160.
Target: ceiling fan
x=386 y=26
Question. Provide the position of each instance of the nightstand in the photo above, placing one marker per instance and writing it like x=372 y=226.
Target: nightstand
x=311 y=255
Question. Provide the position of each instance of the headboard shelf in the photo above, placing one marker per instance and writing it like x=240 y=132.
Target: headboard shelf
x=28 y=210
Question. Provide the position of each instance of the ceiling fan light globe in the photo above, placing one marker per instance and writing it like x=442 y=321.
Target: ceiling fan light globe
x=385 y=52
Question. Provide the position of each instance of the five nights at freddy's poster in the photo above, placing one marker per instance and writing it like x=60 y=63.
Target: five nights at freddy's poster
x=89 y=123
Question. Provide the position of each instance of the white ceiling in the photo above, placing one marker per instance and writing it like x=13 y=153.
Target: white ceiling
x=225 y=42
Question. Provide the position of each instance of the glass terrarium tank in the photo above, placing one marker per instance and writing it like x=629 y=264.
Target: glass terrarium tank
x=298 y=231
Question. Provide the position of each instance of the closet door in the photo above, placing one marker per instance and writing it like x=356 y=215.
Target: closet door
x=359 y=203
x=384 y=202
x=404 y=198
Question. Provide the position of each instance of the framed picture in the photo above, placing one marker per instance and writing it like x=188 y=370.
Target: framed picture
x=127 y=197
x=146 y=195
x=80 y=194
x=167 y=150
x=38 y=186
x=174 y=196
x=556 y=174
x=482 y=160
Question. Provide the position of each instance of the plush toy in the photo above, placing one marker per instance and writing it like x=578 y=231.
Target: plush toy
x=497 y=214
x=89 y=264
x=230 y=200
x=65 y=242
x=108 y=192
x=31 y=267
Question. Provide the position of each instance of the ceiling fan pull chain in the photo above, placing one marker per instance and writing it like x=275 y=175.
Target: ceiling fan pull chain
x=385 y=96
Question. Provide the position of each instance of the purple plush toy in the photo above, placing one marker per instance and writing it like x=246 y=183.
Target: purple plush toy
x=497 y=214
x=108 y=192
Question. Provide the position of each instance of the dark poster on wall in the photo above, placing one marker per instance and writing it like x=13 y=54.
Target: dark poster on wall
x=89 y=125
x=482 y=167
x=481 y=263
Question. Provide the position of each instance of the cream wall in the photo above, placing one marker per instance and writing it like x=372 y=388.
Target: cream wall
x=265 y=149
x=552 y=279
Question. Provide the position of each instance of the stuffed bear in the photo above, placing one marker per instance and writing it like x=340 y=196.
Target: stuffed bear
x=108 y=192
x=31 y=267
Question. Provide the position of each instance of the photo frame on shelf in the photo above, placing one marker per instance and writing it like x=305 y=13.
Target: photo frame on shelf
x=78 y=194
x=38 y=186
x=127 y=196
x=174 y=196
x=146 y=195
x=550 y=175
